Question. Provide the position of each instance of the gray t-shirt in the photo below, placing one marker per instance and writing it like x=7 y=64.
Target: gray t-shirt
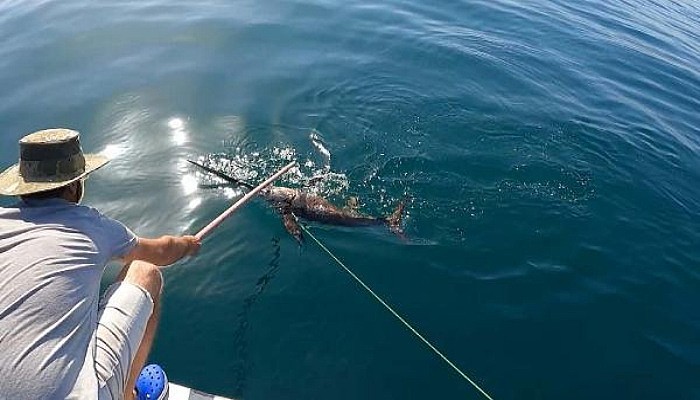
x=52 y=257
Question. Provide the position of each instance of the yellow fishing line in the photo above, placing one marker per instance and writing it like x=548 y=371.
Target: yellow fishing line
x=399 y=317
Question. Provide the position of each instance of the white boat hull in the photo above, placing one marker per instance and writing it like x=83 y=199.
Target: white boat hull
x=179 y=392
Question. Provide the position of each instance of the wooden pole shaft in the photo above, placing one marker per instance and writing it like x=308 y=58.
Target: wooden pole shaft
x=218 y=220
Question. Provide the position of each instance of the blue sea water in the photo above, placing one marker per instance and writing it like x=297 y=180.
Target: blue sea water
x=548 y=151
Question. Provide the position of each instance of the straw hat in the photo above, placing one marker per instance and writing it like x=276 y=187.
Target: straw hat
x=48 y=159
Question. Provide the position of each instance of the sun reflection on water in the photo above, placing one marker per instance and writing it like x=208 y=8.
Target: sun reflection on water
x=189 y=184
x=113 y=151
x=194 y=203
x=177 y=131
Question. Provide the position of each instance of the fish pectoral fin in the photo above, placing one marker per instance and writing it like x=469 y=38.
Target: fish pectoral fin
x=292 y=226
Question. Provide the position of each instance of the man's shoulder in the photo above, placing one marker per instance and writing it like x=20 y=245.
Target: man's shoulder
x=94 y=215
x=88 y=211
x=53 y=212
x=65 y=210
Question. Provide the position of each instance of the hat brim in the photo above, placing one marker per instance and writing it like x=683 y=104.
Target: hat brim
x=13 y=184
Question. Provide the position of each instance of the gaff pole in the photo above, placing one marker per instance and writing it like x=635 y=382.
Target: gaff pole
x=218 y=220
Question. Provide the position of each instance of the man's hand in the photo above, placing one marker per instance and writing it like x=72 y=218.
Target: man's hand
x=164 y=250
x=191 y=244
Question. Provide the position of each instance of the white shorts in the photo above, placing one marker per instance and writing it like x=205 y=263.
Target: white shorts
x=123 y=314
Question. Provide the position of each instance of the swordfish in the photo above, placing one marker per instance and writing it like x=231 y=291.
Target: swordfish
x=292 y=203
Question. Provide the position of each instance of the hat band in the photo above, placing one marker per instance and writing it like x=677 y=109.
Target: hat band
x=55 y=170
x=34 y=152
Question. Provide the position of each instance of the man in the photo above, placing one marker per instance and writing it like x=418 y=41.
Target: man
x=57 y=339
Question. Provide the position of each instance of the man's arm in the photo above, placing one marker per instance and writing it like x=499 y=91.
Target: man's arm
x=164 y=250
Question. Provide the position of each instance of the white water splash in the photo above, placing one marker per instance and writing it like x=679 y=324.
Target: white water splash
x=252 y=166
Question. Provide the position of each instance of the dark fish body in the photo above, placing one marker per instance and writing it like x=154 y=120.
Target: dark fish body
x=293 y=203
x=316 y=208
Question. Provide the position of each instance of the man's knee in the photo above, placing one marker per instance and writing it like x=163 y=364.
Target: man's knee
x=147 y=276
